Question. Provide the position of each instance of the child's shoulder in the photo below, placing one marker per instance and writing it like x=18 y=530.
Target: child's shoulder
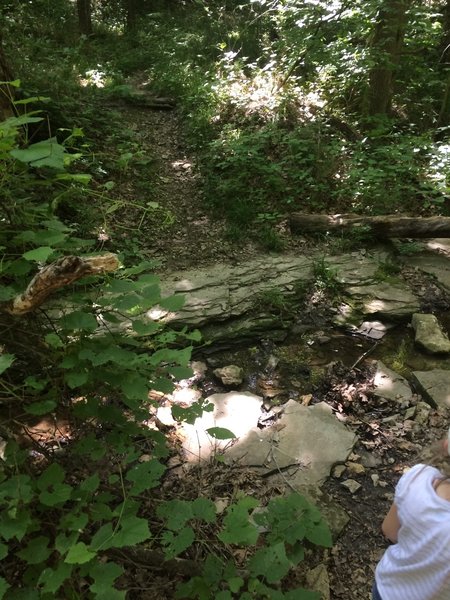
x=418 y=473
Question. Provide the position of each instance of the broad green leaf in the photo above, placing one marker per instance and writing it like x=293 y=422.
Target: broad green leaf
x=102 y=538
x=3 y=551
x=38 y=254
x=133 y=530
x=56 y=494
x=15 y=83
x=175 y=544
x=37 y=551
x=49 y=238
x=223 y=595
x=319 y=534
x=15 y=525
x=6 y=293
x=175 y=513
x=47 y=153
x=36 y=384
x=81 y=178
x=17 y=487
x=51 y=580
x=4 y=586
x=237 y=526
x=104 y=575
x=79 y=554
x=31 y=100
x=74 y=521
x=142 y=328
x=221 y=433
x=135 y=387
x=145 y=476
x=75 y=379
x=79 y=320
x=181 y=372
x=40 y=408
x=6 y=360
x=271 y=562
x=64 y=542
x=54 y=340
x=90 y=484
x=53 y=474
x=235 y=584
x=204 y=508
x=145 y=265
x=172 y=303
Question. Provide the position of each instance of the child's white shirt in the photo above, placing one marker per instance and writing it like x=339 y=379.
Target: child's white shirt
x=417 y=567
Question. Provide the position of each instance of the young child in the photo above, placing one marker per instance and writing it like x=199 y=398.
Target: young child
x=417 y=565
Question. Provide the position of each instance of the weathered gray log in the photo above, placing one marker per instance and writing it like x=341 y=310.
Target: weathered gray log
x=56 y=275
x=386 y=226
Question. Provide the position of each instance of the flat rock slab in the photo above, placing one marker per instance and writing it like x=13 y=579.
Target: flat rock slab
x=236 y=411
x=429 y=335
x=308 y=438
x=390 y=385
x=437 y=265
x=389 y=300
x=434 y=386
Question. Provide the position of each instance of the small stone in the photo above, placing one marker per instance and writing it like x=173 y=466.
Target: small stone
x=355 y=468
x=230 y=375
x=338 y=471
x=422 y=413
x=306 y=400
x=429 y=335
x=318 y=580
x=199 y=368
x=352 y=485
x=375 y=479
x=409 y=414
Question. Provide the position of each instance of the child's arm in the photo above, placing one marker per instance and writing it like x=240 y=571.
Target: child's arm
x=391 y=524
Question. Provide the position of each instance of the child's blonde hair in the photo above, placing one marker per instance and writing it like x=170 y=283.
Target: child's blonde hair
x=436 y=455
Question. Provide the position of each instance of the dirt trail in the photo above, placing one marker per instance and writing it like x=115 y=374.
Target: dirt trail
x=181 y=234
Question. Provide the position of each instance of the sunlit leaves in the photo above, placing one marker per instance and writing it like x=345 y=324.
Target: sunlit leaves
x=79 y=554
x=237 y=526
x=145 y=476
x=6 y=360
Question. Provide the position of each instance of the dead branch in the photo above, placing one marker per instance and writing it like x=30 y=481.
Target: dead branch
x=386 y=226
x=55 y=276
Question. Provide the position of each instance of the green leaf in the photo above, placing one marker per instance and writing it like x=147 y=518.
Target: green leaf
x=172 y=303
x=237 y=526
x=6 y=293
x=37 y=551
x=235 y=584
x=79 y=554
x=4 y=585
x=142 y=328
x=271 y=562
x=38 y=254
x=104 y=575
x=54 y=340
x=135 y=387
x=175 y=512
x=52 y=474
x=221 y=433
x=133 y=530
x=15 y=525
x=51 y=580
x=175 y=544
x=204 y=508
x=40 y=408
x=6 y=360
x=79 y=320
x=30 y=100
x=47 y=153
x=180 y=372
x=64 y=542
x=3 y=551
x=319 y=534
x=75 y=379
x=145 y=476
x=57 y=494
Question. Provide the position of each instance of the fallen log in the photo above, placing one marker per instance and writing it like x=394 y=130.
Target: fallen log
x=56 y=275
x=386 y=226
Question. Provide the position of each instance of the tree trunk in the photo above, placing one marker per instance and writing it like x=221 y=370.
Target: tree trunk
x=6 y=91
x=386 y=46
x=84 y=17
x=387 y=226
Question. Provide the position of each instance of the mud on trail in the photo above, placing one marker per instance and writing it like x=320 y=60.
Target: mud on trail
x=160 y=215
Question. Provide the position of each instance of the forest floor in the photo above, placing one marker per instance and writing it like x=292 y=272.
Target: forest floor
x=167 y=222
